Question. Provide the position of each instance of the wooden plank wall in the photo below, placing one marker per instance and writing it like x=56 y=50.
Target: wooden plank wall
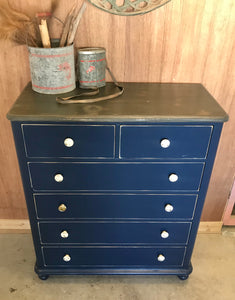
x=183 y=41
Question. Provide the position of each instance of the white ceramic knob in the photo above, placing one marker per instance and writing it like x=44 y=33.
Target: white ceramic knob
x=62 y=207
x=164 y=234
x=165 y=143
x=64 y=234
x=58 y=177
x=66 y=258
x=169 y=208
x=68 y=142
x=173 y=177
x=161 y=257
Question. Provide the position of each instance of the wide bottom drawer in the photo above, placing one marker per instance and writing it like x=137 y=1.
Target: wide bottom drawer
x=113 y=256
x=114 y=232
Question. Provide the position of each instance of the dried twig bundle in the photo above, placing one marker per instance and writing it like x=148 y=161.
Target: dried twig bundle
x=71 y=24
x=75 y=22
x=28 y=28
x=67 y=24
x=16 y=26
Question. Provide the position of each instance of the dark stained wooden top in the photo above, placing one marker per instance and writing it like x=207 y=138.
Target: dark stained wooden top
x=160 y=102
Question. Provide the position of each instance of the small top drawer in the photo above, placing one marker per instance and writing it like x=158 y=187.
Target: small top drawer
x=180 y=142
x=69 y=140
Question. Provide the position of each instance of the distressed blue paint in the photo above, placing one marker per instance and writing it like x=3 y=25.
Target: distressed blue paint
x=114 y=256
x=96 y=176
x=89 y=141
x=115 y=206
x=119 y=211
x=115 y=232
x=145 y=141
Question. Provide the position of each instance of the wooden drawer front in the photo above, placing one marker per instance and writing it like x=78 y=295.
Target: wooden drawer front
x=111 y=206
x=49 y=141
x=145 y=141
x=113 y=256
x=115 y=176
x=114 y=232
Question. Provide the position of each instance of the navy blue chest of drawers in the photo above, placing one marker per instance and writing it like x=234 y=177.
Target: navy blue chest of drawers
x=118 y=187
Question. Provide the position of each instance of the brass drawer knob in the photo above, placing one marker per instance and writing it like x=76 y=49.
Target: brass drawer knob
x=161 y=257
x=169 y=208
x=68 y=142
x=64 y=234
x=62 y=207
x=66 y=258
x=173 y=177
x=164 y=234
x=165 y=143
x=59 y=177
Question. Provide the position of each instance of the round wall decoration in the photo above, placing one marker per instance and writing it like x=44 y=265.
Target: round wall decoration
x=128 y=7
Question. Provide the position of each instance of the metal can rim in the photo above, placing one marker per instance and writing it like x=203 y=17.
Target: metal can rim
x=55 y=46
x=91 y=50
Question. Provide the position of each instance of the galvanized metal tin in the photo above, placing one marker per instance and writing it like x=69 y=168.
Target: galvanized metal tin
x=91 y=67
x=52 y=69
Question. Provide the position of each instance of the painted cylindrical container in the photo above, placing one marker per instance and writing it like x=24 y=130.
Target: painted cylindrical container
x=91 y=67
x=52 y=69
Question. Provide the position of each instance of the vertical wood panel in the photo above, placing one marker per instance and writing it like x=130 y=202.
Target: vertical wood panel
x=183 y=41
